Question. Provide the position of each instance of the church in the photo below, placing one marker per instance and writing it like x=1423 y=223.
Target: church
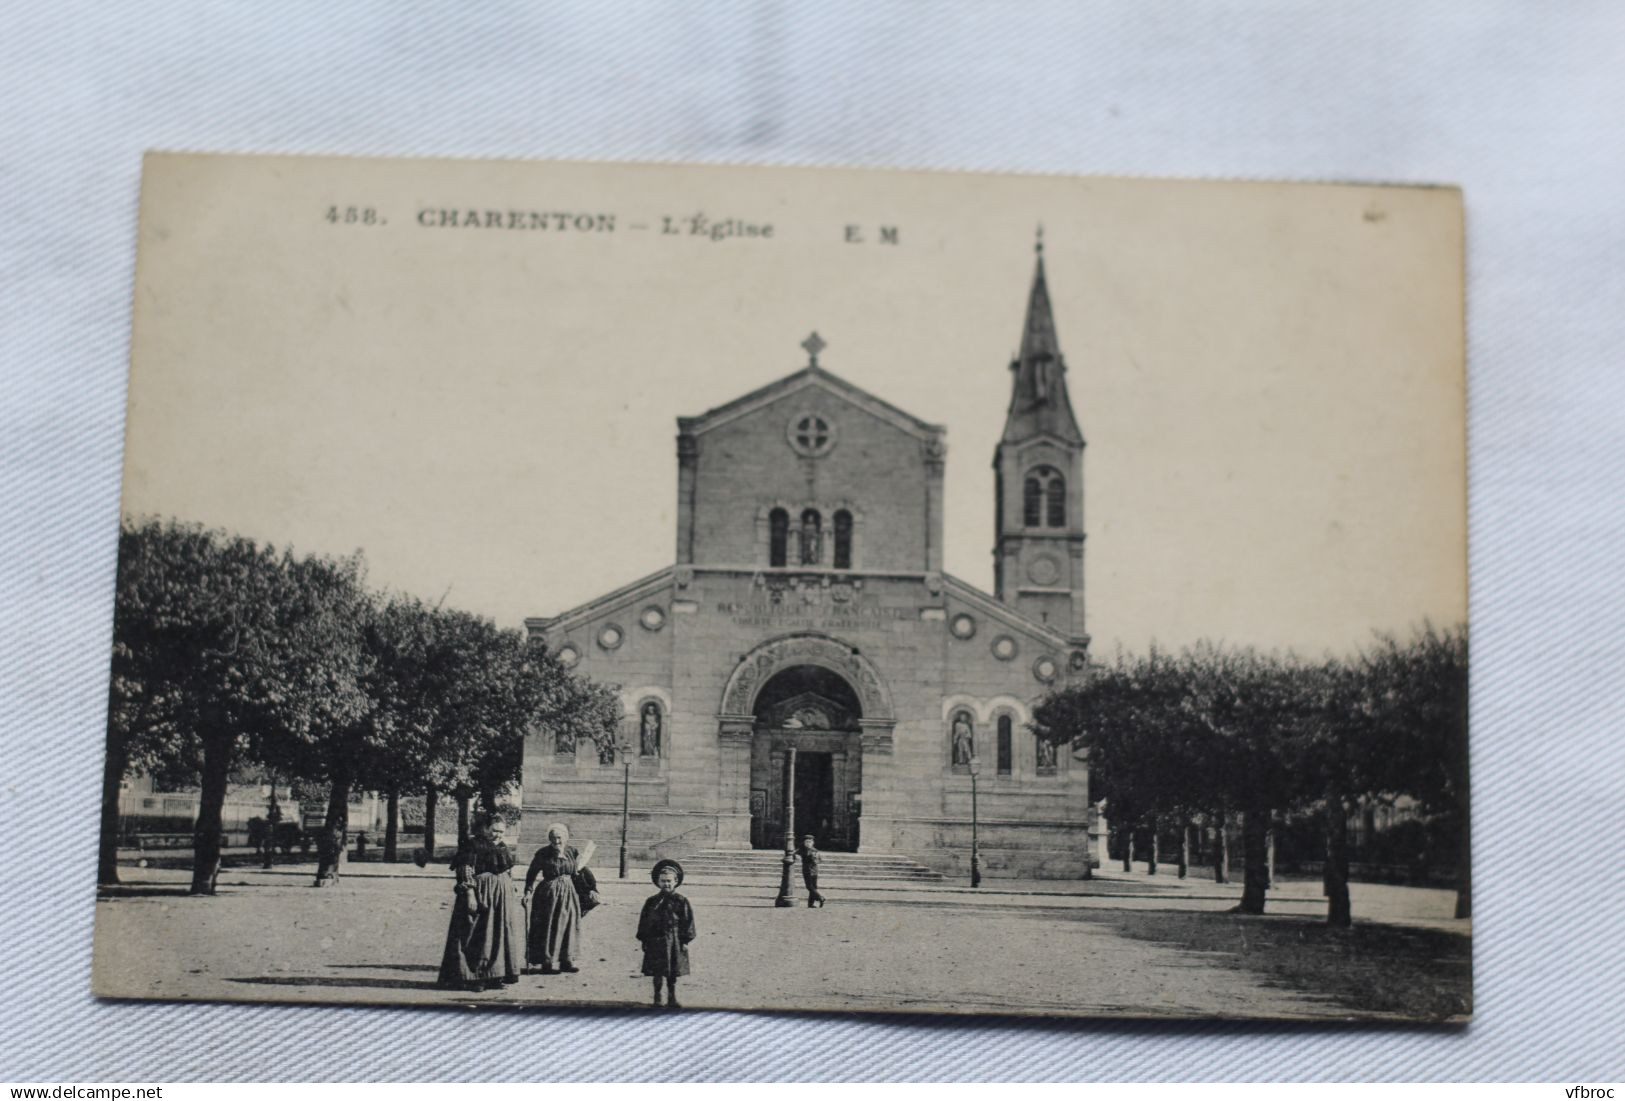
x=807 y=609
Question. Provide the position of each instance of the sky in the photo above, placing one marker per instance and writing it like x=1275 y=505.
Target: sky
x=1269 y=377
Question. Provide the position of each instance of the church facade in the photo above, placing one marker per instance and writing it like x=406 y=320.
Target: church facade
x=807 y=609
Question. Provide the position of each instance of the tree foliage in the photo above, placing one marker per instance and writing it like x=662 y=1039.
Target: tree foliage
x=1215 y=730
x=227 y=653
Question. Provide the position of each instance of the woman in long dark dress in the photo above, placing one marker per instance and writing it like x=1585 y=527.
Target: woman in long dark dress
x=484 y=946
x=554 y=940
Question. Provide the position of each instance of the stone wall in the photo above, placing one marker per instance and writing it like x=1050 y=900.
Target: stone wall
x=747 y=466
x=939 y=650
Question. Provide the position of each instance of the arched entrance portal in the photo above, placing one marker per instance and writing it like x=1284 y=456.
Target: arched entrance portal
x=854 y=718
x=816 y=711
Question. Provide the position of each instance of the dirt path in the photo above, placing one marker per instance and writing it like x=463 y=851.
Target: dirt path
x=271 y=937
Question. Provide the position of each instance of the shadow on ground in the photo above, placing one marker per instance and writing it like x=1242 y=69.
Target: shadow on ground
x=344 y=983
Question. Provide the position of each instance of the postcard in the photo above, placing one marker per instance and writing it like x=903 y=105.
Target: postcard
x=677 y=586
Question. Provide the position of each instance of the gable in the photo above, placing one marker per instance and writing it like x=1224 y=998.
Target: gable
x=817 y=422
x=808 y=379
x=807 y=449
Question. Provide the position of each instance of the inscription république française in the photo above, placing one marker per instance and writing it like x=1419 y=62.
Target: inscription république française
x=841 y=617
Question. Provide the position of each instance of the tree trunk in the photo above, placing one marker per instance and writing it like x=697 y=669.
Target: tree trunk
x=392 y=825
x=1128 y=848
x=1255 y=874
x=208 y=833
x=1464 y=825
x=430 y=797
x=1269 y=848
x=463 y=796
x=1336 y=875
x=488 y=801
x=114 y=765
x=1093 y=831
x=1464 y=870
x=1184 y=848
x=1151 y=860
x=1221 y=851
x=330 y=848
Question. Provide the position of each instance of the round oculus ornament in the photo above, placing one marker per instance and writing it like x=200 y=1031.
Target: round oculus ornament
x=1043 y=570
x=811 y=435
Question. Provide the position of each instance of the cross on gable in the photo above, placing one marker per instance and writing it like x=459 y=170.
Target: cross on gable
x=813 y=344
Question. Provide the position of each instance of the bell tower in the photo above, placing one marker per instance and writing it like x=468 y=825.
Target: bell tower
x=1038 y=479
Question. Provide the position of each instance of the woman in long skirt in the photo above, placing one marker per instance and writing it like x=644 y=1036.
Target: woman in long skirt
x=554 y=940
x=484 y=946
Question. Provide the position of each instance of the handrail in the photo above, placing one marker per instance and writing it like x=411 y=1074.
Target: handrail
x=679 y=836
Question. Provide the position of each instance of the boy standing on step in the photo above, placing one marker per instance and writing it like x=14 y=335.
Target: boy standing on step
x=810 y=856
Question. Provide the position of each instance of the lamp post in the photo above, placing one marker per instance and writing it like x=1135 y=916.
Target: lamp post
x=975 y=852
x=625 y=750
x=787 y=895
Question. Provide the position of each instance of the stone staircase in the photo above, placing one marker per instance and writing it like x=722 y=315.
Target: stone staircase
x=764 y=866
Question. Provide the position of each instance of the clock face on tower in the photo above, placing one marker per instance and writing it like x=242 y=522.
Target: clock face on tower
x=1043 y=570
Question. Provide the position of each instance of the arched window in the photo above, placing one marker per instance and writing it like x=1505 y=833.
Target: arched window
x=1004 y=745
x=811 y=530
x=564 y=743
x=778 y=540
x=1043 y=499
x=962 y=741
x=1055 y=502
x=843 y=540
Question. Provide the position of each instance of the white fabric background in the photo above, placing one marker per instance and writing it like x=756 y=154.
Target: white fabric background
x=1519 y=103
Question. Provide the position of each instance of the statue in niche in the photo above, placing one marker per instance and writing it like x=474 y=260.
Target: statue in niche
x=1046 y=754
x=809 y=538
x=649 y=734
x=964 y=744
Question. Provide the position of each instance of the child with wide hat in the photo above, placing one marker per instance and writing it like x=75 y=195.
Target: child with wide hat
x=664 y=929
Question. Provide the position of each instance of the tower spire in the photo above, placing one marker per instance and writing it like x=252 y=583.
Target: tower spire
x=1038 y=478
x=1039 y=404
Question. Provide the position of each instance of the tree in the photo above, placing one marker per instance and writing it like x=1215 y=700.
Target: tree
x=1240 y=701
x=487 y=688
x=1329 y=751
x=201 y=661
x=143 y=706
x=1216 y=730
x=403 y=690
x=1147 y=758
x=227 y=653
x=1197 y=734
x=1415 y=706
